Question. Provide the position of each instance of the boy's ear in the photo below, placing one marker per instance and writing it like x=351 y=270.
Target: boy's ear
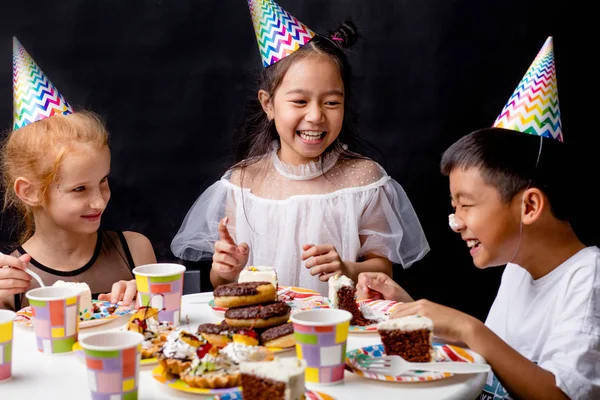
x=26 y=191
x=533 y=205
x=265 y=102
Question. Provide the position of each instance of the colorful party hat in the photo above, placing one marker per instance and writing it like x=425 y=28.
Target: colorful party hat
x=278 y=33
x=533 y=107
x=34 y=96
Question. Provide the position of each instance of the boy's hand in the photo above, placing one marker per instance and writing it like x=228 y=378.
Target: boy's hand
x=124 y=291
x=448 y=323
x=229 y=258
x=325 y=261
x=13 y=278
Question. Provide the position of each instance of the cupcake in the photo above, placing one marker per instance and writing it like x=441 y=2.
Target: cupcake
x=212 y=370
x=178 y=352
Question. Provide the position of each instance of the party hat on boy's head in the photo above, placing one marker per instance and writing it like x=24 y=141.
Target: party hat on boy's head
x=34 y=96
x=533 y=107
x=278 y=33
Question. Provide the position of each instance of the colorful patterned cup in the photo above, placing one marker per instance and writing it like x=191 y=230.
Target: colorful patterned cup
x=321 y=336
x=113 y=364
x=55 y=313
x=6 y=334
x=160 y=286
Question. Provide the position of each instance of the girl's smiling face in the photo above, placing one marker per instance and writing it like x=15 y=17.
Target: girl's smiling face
x=308 y=109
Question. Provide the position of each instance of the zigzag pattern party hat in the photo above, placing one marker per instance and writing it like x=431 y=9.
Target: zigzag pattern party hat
x=533 y=106
x=34 y=96
x=278 y=33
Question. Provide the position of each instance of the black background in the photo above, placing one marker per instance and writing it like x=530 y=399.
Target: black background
x=172 y=79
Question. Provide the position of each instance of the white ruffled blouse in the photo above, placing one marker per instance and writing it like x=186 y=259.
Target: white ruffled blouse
x=276 y=208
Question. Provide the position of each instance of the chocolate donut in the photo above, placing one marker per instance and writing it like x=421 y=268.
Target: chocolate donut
x=279 y=336
x=244 y=294
x=260 y=316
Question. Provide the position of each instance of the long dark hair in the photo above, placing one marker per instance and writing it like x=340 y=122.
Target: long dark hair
x=257 y=132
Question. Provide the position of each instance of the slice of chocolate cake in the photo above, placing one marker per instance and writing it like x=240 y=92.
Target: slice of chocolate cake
x=342 y=295
x=408 y=337
x=281 y=379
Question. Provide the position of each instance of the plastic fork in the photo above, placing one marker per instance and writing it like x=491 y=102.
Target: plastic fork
x=396 y=365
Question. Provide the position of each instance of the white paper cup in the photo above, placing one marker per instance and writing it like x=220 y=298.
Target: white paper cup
x=161 y=286
x=321 y=336
x=6 y=336
x=113 y=363
x=55 y=313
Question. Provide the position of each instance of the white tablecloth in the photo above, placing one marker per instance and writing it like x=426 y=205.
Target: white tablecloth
x=63 y=377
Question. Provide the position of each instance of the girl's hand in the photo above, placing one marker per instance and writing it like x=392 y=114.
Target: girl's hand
x=325 y=261
x=124 y=291
x=377 y=285
x=448 y=323
x=229 y=258
x=13 y=278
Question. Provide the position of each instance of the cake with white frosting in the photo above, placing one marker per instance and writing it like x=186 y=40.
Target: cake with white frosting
x=281 y=379
x=85 y=298
x=342 y=295
x=259 y=274
x=408 y=337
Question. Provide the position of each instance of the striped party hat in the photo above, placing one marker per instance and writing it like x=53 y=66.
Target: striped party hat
x=34 y=96
x=278 y=33
x=533 y=106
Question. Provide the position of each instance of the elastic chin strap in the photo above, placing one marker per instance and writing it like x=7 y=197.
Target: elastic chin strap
x=537 y=161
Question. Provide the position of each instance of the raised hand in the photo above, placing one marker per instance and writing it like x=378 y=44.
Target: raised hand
x=229 y=258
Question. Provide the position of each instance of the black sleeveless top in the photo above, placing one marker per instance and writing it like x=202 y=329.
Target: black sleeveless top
x=110 y=263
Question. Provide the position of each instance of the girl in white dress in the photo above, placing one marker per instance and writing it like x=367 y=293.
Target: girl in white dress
x=298 y=198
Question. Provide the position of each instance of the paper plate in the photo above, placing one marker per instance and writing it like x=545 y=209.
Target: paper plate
x=25 y=317
x=177 y=384
x=444 y=352
x=220 y=394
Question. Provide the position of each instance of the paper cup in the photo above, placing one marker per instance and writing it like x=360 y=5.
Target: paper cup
x=6 y=334
x=55 y=313
x=160 y=286
x=321 y=336
x=113 y=364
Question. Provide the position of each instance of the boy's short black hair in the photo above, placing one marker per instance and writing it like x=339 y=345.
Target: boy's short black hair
x=507 y=161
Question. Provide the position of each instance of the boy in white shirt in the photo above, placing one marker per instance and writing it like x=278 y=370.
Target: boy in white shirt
x=510 y=193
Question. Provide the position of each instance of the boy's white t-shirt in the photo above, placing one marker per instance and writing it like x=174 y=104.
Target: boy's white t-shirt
x=554 y=321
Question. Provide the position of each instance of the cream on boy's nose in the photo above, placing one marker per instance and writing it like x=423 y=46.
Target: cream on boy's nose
x=455 y=223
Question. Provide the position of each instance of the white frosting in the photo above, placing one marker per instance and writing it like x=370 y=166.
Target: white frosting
x=85 y=298
x=335 y=283
x=239 y=352
x=409 y=323
x=177 y=348
x=287 y=370
x=259 y=274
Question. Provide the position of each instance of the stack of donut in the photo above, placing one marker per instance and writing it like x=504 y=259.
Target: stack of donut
x=254 y=305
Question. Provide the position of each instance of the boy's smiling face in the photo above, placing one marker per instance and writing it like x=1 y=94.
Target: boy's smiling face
x=490 y=227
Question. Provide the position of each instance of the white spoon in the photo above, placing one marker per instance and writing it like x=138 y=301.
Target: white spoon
x=30 y=273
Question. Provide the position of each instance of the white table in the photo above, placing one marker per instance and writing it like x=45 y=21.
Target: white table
x=63 y=377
